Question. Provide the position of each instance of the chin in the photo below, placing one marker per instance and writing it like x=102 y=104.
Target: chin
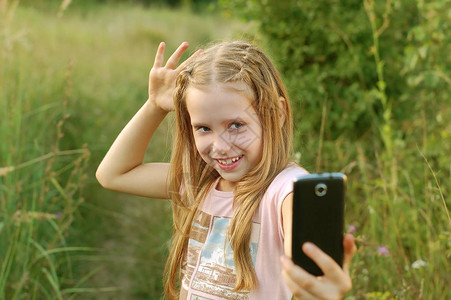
x=232 y=179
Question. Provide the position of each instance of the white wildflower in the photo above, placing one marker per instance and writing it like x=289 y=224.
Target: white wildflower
x=418 y=264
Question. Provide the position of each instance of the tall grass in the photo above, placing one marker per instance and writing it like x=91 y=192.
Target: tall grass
x=41 y=187
x=41 y=183
x=407 y=211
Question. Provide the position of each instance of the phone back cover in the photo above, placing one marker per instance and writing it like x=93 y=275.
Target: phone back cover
x=318 y=219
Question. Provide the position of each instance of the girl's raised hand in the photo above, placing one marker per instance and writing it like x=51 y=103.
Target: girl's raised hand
x=162 y=76
x=335 y=282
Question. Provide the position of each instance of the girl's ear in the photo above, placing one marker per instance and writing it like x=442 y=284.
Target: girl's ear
x=282 y=110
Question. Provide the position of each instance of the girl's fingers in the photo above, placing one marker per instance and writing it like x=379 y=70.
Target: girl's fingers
x=333 y=273
x=183 y=64
x=159 y=57
x=173 y=60
x=300 y=282
x=297 y=291
x=175 y=57
x=329 y=267
x=349 y=248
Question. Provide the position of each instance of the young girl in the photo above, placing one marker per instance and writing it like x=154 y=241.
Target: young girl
x=229 y=180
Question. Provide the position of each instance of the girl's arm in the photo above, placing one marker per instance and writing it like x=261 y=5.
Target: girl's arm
x=122 y=169
x=335 y=282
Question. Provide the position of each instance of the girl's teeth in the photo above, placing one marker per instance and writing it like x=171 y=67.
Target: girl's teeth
x=228 y=161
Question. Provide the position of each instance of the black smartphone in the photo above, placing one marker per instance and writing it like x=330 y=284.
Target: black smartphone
x=318 y=217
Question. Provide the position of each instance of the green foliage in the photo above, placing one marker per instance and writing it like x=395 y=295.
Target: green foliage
x=322 y=51
x=40 y=186
x=369 y=82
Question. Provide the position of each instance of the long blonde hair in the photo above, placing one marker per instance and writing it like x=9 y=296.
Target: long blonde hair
x=226 y=62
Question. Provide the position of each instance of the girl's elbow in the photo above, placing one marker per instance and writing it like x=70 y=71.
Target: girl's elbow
x=102 y=178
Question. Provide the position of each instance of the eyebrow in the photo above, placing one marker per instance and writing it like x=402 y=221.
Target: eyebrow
x=227 y=121
x=198 y=125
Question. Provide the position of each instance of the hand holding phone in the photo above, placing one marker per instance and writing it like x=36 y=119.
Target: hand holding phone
x=318 y=217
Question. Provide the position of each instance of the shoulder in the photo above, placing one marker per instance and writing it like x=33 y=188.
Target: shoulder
x=291 y=172
x=276 y=194
x=283 y=182
x=282 y=185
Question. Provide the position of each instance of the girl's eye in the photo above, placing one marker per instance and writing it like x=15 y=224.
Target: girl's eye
x=203 y=129
x=236 y=125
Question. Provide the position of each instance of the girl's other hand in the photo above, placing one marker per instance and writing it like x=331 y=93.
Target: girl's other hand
x=335 y=282
x=162 y=77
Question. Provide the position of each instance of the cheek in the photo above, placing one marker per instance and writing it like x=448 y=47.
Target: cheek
x=257 y=148
x=254 y=146
x=251 y=139
x=202 y=145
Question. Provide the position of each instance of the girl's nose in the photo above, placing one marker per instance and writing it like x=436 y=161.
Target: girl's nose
x=221 y=144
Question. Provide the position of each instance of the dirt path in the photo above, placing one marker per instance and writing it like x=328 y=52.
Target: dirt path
x=133 y=233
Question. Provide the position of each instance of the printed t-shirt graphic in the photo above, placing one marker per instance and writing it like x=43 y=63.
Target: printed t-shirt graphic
x=209 y=266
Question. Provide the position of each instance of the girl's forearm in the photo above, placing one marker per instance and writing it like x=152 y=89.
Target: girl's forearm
x=129 y=148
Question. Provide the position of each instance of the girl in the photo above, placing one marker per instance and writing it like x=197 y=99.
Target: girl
x=229 y=180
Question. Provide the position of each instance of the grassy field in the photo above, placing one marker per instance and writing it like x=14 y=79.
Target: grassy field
x=70 y=80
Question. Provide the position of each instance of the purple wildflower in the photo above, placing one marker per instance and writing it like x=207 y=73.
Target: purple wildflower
x=351 y=229
x=382 y=250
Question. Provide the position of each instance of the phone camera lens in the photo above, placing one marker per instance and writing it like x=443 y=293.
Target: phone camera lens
x=320 y=189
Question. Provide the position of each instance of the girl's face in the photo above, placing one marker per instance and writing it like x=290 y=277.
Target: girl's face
x=226 y=129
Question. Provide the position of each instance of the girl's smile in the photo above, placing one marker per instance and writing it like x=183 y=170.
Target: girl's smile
x=226 y=129
x=229 y=163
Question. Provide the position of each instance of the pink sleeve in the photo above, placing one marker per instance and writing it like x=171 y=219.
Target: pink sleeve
x=283 y=186
x=271 y=243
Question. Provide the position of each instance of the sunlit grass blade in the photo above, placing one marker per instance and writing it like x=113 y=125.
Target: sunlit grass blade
x=53 y=280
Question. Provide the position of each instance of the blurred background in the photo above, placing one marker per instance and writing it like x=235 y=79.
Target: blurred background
x=370 y=83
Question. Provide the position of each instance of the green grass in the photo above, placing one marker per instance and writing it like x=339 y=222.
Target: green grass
x=69 y=84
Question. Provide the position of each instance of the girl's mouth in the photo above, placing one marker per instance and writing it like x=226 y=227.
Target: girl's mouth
x=229 y=163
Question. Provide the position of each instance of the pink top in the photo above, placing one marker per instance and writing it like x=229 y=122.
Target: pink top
x=208 y=269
